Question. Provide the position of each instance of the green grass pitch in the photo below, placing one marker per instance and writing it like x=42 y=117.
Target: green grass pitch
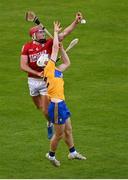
x=96 y=88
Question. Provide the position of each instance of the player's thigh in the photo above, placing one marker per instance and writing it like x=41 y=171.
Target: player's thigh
x=44 y=101
x=37 y=101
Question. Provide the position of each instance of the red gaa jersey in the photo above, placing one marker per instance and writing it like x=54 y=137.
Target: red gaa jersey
x=33 y=51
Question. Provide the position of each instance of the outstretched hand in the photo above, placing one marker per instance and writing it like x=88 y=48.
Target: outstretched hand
x=57 y=26
x=79 y=17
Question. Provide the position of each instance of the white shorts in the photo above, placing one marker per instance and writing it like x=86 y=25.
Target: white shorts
x=37 y=86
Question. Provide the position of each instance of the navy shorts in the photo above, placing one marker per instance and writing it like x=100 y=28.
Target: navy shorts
x=58 y=112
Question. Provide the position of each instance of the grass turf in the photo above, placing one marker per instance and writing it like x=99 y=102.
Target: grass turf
x=96 y=87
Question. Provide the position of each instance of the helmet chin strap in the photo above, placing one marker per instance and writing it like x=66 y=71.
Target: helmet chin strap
x=42 y=41
x=34 y=37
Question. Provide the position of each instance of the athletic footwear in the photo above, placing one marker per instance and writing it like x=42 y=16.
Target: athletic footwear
x=50 y=130
x=53 y=160
x=76 y=156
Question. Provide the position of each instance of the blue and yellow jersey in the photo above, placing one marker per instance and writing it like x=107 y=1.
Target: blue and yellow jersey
x=54 y=79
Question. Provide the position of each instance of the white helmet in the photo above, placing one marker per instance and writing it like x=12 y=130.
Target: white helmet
x=42 y=61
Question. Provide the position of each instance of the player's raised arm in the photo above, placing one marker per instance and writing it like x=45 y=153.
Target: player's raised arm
x=71 y=27
x=65 y=59
x=55 y=47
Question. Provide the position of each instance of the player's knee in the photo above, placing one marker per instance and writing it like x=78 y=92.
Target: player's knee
x=59 y=135
x=68 y=131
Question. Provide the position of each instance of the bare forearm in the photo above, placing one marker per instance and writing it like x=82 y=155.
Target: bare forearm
x=67 y=30
x=26 y=68
x=56 y=41
x=71 y=27
x=65 y=61
x=55 y=47
x=65 y=57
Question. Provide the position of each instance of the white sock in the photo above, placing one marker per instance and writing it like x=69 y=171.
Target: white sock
x=51 y=158
x=73 y=153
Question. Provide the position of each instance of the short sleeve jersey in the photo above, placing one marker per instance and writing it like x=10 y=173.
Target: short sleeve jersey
x=54 y=79
x=33 y=51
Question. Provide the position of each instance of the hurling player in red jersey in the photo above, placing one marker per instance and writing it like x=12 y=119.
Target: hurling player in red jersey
x=30 y=53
